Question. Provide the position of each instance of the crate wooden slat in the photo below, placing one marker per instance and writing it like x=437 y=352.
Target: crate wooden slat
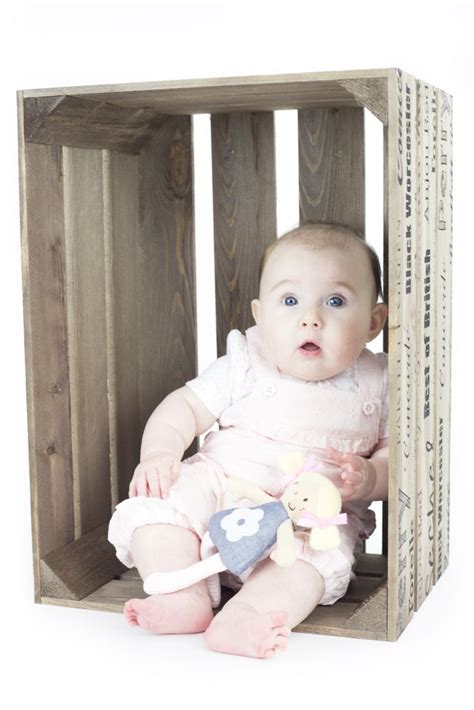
x=400 y=174
x=243 y=160
x=331 y=166
x=425 y=506
x=109 y=298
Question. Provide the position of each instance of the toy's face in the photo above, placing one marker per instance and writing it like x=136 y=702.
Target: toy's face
x=315 y=310
x=301 y=495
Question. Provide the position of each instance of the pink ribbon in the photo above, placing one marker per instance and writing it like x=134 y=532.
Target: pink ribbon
x=308 y=520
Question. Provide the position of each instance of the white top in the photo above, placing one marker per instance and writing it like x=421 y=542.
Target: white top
x=231 y=377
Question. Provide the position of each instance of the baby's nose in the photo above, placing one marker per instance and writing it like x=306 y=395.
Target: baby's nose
x=311 y=320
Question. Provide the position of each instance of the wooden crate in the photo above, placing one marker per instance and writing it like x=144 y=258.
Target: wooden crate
x=109 y=298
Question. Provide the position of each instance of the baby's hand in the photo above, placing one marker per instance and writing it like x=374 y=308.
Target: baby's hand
x=358 y=475
x=155 y=476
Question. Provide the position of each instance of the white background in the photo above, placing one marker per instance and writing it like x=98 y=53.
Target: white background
x=55 y=657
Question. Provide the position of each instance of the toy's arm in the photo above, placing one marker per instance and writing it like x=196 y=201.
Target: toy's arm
x=239 y=488
x=285 y=552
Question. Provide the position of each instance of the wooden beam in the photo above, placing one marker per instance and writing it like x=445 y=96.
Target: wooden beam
x=243 y=160
x=332 y=166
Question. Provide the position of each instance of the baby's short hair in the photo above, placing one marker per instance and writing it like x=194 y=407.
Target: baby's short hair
x=319 y=235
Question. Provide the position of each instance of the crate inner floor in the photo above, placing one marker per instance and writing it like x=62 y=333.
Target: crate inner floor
x=361 y=613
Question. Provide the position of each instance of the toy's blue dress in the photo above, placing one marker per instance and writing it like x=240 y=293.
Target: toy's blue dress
x=242 y=535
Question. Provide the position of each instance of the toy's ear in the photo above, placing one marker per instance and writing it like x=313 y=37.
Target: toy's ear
x=289 y=463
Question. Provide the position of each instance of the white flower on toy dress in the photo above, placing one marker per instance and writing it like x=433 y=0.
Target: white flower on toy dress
x=242 y=522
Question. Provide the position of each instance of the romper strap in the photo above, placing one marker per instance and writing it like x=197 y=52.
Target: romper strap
x=261 y=366
x=370 y=376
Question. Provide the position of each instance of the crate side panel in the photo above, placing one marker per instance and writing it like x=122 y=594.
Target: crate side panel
x=167 y=344
x=426 y=186
x=443 y=283
x=399 y=174
x=87 y=335
x=44 y=292
x=124 y=297
x=331 y=166
x=243 y=160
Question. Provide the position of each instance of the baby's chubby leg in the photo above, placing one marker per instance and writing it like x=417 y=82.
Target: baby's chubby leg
x=274 y=599
x=166 y=548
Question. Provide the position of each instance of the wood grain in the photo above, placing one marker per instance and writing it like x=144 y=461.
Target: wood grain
x=243 y=163
x=87 y=335
x=89 y=123
x=401 y=211
x=331 y=166
x=46 y=347
x=165 y=293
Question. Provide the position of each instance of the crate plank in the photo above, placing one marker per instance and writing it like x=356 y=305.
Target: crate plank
x=221 y=95
x=400 y=175
x=124 y=286
x=165 y=290
x=443 y=285
x=48 y=388
x=243 y=164
x=331 y=166
x=80 y=568
x=87 y=335
x=339 y=619
x=88 y=123
x=426 y=346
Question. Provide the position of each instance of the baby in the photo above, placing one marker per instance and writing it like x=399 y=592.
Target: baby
x=301 y=379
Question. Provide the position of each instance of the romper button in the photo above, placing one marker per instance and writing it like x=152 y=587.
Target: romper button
x=269 y=390
x=368 y=408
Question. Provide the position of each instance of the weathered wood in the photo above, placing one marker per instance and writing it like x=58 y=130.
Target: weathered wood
x=371 y=615
x=399 y=173
x=371 y=93
x=46 y=344
x=89 y=123
x=124 y=288
x=331 y=166
x=227 y=94
x=333 y=620
x=87 y=335
x=167 y=354
x=80 y=568
x=443 y=289
x=426 y=346
x=243 y=162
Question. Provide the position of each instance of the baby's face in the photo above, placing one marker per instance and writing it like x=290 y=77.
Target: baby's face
x=316 y=310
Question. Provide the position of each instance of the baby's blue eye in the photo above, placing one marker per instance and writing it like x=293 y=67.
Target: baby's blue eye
x=336 y=301
x=290 y=301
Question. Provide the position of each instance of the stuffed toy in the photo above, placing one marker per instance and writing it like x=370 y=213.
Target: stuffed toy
x=239 y=537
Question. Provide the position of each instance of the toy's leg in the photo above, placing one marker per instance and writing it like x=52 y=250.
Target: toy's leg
x=257 y=620
x=164 y=548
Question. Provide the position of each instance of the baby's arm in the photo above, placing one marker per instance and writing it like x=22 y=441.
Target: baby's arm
x=171 y=428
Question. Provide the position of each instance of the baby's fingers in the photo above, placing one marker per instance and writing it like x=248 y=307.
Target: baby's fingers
x=153 y=480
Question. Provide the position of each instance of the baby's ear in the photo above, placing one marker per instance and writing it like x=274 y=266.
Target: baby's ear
x=255 y=306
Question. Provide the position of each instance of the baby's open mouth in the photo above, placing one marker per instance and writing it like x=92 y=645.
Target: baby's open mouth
x=309 y=346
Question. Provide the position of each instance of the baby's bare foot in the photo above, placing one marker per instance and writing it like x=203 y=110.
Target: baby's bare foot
x=244 y=631
x=186 y=612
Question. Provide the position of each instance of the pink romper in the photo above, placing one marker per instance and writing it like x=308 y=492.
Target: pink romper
x=280 y=415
